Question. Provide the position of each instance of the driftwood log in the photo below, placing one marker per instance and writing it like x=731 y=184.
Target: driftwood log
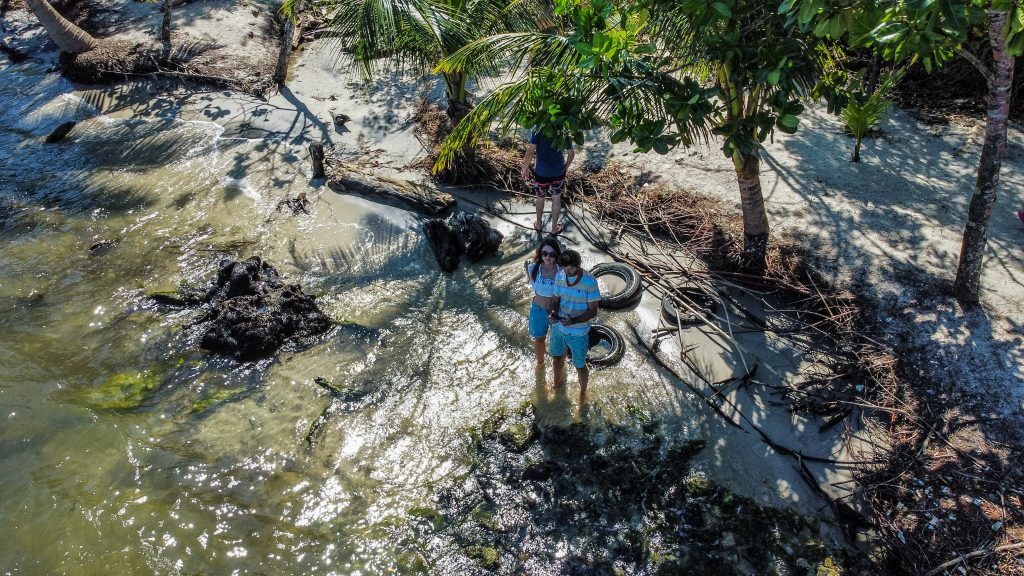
x=347 y=178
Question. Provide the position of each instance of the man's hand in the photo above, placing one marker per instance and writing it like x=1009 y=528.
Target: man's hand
x=568 y=320
x=524 y=171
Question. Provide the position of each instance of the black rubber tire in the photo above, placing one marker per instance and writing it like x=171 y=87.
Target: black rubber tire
x=628 y=296
x=599 y=332
x=703 y=301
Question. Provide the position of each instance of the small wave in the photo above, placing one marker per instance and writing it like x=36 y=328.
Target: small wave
x=242 y=185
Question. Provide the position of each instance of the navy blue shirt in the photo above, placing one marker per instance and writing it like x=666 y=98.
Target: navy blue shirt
x=550 y=161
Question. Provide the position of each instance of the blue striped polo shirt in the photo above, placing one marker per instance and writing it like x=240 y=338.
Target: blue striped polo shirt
x=573 y=300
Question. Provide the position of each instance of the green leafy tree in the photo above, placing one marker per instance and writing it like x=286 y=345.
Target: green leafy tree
x=419 y=33
x=659 y=73
x=935 y=32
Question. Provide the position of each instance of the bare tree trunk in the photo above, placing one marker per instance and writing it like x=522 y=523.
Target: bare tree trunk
x=872 y=83
x=755 y=219
x=165 y=29
x=68 y=37
x=972 y=251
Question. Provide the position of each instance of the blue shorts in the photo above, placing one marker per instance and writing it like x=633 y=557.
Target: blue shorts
x=577 y=345
x=538 y=321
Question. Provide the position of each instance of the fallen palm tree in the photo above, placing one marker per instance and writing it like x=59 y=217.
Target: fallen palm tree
x=86 y=58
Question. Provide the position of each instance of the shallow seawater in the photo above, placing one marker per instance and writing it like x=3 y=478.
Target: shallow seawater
x=219 y=469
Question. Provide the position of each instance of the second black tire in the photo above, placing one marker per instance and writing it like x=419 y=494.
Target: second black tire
x=616 y=345
x=628 y=295
x=703 y=302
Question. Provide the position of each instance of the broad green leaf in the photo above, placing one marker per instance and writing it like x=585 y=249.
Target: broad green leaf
x=788 y=121
x=722 y=9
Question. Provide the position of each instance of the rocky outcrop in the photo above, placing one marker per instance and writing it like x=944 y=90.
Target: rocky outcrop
x=60 y=132
x=251 y=313
x=476 y=235
x=445 y=243
x=460 y=234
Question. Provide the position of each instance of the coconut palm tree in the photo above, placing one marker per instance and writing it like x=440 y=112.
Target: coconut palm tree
x=419 y=33
x=68 y=37
x=661 y=73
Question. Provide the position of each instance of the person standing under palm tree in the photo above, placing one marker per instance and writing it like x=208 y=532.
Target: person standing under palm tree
x=548 y=176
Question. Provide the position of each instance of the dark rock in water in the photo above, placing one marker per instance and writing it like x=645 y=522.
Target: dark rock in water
x=445 y=242
x=61 y=131
x=13 y=54
x=252 y=312
x=100 y=247
x=541 y=471
x=475 y=234
x=175 y=299
x=462 y=233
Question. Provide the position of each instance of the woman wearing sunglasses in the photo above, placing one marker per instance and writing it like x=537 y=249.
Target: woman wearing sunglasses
x=541 y=273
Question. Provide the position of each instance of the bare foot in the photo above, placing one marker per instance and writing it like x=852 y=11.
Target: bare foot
x=557 y=228
x=538 y=225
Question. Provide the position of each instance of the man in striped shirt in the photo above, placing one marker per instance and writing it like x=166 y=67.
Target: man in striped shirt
x=573 y=306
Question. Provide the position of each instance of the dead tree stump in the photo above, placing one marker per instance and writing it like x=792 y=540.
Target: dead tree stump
x=316 y=154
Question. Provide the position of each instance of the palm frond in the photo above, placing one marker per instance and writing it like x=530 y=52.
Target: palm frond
x=494 y=53
x=502 y=106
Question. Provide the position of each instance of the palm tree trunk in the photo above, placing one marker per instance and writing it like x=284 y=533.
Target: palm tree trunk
x=972 y=251
x=856 y=149
x=458 y=98
x=165 y=30
x=755 y=219
x=68 y=37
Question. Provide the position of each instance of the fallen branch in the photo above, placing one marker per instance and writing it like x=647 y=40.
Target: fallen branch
x=975 y=554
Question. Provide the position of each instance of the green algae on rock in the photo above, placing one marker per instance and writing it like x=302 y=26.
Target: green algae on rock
x=215 y=397
x=124 y=391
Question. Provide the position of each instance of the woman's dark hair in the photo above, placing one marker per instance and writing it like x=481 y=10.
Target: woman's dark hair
x=553 y=244
x=570 y=258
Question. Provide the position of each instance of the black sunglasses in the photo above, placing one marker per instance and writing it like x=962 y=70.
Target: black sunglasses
x=547 y=253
